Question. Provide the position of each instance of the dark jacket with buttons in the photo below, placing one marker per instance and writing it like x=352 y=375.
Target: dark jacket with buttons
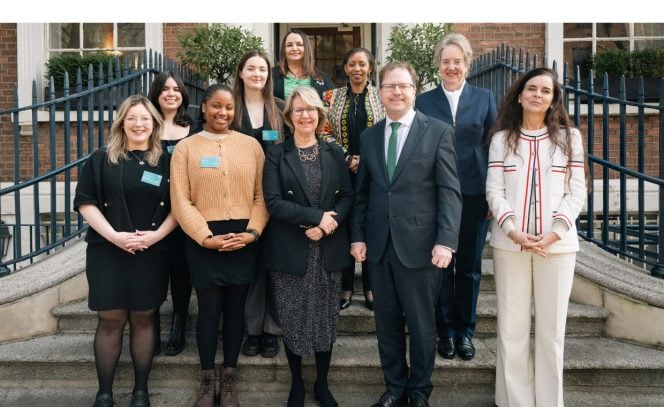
x=291 y=211
x=100 y=184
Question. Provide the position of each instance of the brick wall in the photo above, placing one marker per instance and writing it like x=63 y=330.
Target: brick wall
x=8 y=78
x=171 y=31
x=485 y=37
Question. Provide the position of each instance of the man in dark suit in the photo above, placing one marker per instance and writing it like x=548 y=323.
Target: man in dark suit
x=405 y=224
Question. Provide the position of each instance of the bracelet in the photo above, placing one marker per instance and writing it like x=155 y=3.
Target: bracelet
x=254 y=233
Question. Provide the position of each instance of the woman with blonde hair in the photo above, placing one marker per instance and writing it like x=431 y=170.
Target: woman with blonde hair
x=123 y=194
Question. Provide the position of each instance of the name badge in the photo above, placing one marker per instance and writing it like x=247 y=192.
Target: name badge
x=270 y=135
x=170 y=149
x=151 y=178
x=210 y=162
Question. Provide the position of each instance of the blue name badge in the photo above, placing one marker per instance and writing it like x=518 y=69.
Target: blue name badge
x=270 y=135
x=210 y=162
x=170 y=149
x=151 y=178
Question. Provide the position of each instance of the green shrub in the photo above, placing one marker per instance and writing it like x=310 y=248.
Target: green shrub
x=416 y=44
x=60 y=64
x=214 y=51
x=648 y=62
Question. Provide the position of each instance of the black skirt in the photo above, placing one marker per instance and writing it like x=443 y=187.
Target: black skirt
x=211 y=268
x=121 y=280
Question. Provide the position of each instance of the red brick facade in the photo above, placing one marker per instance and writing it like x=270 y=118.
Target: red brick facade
x=8 y=79
x=485 y=37
x=171 y=31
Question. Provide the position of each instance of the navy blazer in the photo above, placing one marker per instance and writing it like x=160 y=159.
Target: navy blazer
x=421 y=206
x=291 y=212
x=475 y=116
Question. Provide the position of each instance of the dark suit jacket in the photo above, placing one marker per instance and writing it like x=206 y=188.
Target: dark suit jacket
x=421 y=207
x=291 y=211
x=321 y=84
x=476 y=114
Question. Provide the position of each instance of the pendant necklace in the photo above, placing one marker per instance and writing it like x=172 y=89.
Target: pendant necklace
x=140 y=160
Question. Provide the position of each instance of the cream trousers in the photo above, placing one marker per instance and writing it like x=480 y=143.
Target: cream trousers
x=522 y=381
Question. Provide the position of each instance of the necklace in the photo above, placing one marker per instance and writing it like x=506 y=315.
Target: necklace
x=141 y=161
x=309 y=156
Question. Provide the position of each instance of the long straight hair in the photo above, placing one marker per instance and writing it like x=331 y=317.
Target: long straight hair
x=117 y=142
x=273 y=114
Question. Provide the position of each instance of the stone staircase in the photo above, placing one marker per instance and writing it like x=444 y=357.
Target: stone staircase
x=58 y=370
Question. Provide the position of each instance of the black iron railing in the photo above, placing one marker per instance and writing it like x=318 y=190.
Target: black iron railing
x=50 y=140
x=625 y=153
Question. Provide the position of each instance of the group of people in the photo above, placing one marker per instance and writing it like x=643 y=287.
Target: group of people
x=266 y=204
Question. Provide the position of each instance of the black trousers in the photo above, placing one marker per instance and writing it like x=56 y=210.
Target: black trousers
x=405 y=296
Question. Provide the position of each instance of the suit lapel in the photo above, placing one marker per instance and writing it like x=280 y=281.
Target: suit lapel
x=413 y=139
x=379 y=148
x=444 y=105
x=293 y=161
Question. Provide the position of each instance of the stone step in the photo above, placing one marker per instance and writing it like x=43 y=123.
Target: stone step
x=66 y=395
x=593 y=366
x=582 y=320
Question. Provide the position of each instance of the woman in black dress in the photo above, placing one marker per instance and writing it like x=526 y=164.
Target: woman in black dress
x=307 y=190
x=123 y=194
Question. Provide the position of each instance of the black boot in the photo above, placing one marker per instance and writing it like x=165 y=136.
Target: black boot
x=176 y=340
x=157 y=333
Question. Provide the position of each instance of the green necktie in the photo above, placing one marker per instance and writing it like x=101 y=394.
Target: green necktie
x=392 y=150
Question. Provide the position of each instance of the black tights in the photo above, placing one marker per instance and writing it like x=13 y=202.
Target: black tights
x=211 y=303
x=108 y=345
x=295 y=365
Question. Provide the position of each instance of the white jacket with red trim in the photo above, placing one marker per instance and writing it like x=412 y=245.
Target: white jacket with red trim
x=538 y=171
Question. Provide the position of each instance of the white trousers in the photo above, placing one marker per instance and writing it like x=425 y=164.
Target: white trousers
x=520 y=277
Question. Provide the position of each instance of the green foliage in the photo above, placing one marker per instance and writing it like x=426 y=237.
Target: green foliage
x=613 y=61
x=215 y=50
x=416 y=45
x=57 y=65
x=648 y=62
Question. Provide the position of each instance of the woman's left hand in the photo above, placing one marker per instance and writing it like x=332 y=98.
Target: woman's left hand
x=142 y=239
x=235 y=241
x=354 y=163
x=540 y=246
x=315 y=233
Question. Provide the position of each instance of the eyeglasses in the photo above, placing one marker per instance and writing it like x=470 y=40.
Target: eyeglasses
x=133 y=120
x=299 y=111
x=391 y=87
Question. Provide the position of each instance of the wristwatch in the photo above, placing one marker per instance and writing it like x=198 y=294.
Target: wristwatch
x=254 y=233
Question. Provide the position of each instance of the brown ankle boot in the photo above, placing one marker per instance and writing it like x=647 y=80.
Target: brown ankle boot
x=205 y=396
x=228 y=397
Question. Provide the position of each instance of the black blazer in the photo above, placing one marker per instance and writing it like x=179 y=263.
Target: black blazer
x=321 y=85
x=248 y=129
x=475 y=116
x=285 y=191
x=421 y=207
x=100 y=184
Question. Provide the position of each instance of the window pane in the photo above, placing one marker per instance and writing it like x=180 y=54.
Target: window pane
x=64 y=35
x=344 y=42
x=131 y=35
x=641 y=44
x=578 y=53
x=643 y=29
x=98 y=35
x=324 y=46
x=605 y=30
x=603 y=45
x=577 y=30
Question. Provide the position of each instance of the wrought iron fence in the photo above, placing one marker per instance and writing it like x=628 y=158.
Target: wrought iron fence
x=625 y=153
x=50 y=140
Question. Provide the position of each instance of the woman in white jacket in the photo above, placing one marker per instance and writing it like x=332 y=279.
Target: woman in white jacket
x=535 y=190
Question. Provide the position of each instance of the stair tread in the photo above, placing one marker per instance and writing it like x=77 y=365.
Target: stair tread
x=486 y=307
x=356 y=351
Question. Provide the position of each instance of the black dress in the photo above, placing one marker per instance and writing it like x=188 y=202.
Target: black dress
x=118 y=279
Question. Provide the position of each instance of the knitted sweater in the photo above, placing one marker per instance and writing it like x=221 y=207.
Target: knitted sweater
x=217 y=180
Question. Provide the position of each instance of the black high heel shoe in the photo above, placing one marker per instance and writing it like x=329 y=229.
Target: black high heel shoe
x=367 y=302
x=323 y=395
x=344 y=303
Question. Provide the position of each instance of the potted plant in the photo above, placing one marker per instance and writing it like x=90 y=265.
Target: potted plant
x=646 y=64
x=416 y=44
x=214 y=51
